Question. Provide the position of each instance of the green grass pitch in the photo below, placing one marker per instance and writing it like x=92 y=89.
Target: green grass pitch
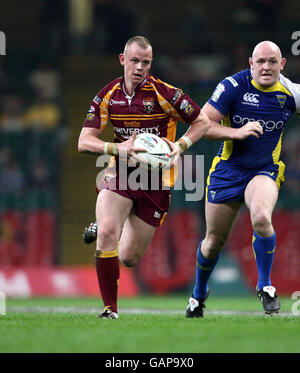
x=147 y=324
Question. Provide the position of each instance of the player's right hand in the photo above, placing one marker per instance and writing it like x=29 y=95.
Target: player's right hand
x=249 y=129
x=126 y=150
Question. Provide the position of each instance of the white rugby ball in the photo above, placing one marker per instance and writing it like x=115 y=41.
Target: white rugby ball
x=156 y=150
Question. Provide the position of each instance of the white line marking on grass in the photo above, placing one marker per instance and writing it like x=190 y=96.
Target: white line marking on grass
x=138 y=311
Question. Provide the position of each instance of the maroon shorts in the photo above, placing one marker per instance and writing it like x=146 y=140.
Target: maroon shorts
x=149 y=205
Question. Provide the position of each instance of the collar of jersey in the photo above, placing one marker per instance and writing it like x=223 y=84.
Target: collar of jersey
x=136 y=89
x=125 y=93
x=275 y=88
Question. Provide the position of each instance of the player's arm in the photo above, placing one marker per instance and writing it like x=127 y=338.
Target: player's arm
x=93 y=126
x=198 y=128
x=294 y=88
x=181 y=107
x=216 y=131
x=90 y=143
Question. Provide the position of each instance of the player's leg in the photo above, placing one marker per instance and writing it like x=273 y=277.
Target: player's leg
x=90 y=232
x=261 y=195
x=150 y=210
x=219 y=222
x=135 y=238
x=112 y=210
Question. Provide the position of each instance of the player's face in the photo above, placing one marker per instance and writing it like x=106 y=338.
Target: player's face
x=137 y=63
x=266 y=65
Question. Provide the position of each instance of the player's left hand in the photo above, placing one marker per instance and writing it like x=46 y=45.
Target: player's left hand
x=175 y=153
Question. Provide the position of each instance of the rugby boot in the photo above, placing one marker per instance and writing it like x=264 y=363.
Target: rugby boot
x=107 y=314
x=267 y=295
x=90 y=233
x=195 y=307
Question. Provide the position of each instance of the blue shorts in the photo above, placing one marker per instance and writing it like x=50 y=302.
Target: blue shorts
x=228 y=184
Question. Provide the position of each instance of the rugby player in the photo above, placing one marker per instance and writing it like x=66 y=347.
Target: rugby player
x=254 y=106
x=135 y=103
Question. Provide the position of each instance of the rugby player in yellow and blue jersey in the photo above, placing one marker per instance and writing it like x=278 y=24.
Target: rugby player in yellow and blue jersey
x=254 y=106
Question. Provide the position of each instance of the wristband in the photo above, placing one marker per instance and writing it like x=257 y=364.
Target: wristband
x=105 y=148
x=115 y=149
x=184 y=143
x=112 y=148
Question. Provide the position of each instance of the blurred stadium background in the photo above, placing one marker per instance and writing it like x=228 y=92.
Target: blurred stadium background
x=59 y=54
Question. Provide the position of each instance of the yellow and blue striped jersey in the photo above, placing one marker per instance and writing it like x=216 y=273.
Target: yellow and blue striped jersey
x=240 y=99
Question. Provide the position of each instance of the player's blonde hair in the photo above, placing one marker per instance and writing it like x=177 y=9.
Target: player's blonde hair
x=140 y=40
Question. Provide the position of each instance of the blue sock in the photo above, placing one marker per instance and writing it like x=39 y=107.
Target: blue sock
x=263 y=248
x=203 y=271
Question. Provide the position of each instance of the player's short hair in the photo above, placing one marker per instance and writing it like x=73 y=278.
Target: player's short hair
x=140 y=40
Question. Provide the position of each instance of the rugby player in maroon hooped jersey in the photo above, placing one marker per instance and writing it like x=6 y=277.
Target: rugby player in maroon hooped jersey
x=135 y=103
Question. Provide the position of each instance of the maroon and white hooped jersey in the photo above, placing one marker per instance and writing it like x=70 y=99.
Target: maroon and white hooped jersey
x=155 y=107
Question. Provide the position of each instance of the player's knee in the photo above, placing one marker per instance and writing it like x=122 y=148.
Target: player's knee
x=107 y=234
x=212 y=245
x=129 y=263
x=128 y=260
x=261 y=222
x=215 y=243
